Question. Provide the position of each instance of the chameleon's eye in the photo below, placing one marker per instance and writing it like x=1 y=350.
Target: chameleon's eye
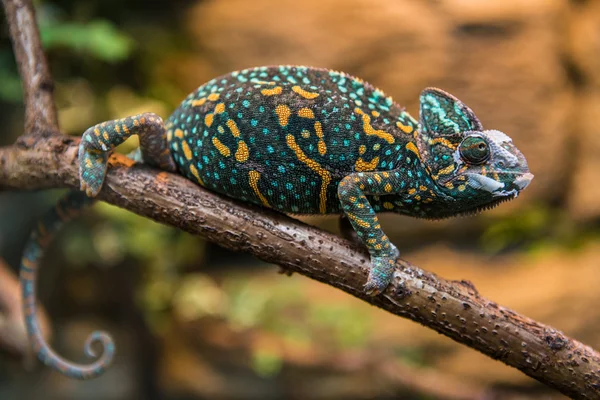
x=474 y=150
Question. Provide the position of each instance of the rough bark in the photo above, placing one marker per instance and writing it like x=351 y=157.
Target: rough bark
x=38 y=86
x=42 y=160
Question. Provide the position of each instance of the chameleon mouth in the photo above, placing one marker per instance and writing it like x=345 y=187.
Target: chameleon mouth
x=523 y=181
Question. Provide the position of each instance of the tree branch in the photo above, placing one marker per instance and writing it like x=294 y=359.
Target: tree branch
x=454 y=309
x=38 y=87
x=44 y=160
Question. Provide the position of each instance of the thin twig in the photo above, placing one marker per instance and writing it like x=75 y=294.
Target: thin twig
x=40 y=111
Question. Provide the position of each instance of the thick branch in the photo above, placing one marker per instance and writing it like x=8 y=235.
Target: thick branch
x=454 y=309
x=40 y=111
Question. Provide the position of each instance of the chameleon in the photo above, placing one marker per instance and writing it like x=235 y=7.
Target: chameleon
x=300 y=140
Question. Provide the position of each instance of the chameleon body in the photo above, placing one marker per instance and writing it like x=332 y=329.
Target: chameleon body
x=304 y=140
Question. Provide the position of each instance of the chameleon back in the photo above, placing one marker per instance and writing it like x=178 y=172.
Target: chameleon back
x=285 y=136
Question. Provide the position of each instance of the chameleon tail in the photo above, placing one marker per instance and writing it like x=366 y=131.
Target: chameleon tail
x=67 y=208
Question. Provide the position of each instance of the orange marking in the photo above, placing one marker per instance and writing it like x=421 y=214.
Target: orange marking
x=321 y=145
x=27 y=263
x=404 y=128
x=224 y=150
x=388 y=206
x=411 y=147
x=125 y=129
x=443 y=141
x=220 y=108
x=233 y=128
x=199 y=102
x=254 y=176
x=179 y=133
x=412 y=191
x=369 y=130
x=304 y=93
x=97 y=131
x=186 y=150
x=387 y=188
x=242 y=152
x=271 y=92
x=283 y=113
x=306 y=113
x=208 y=119
x=194 y=172
x=213 y=96
x=362 y=165
x=444 y=171
x=362 y=149
x=359 y=221
x=315 y=166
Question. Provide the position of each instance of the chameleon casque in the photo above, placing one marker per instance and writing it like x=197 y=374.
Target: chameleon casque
x=301 y=140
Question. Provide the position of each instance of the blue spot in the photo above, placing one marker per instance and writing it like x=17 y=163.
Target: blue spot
x=261 y=109
x=232 y=180
x=270 y=149
x=240 y=115
x=266 y=131
x=346 y=142
x=246 y=103
x=289 y=186
x=254 y=122
x=302 y=178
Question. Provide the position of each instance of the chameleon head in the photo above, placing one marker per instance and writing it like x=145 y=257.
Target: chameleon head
x=478 y=167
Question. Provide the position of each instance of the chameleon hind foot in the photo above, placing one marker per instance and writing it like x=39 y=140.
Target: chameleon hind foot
x=98 y=141
x=381 y=273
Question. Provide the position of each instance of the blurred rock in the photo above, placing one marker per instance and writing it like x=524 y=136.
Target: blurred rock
x=503 y=59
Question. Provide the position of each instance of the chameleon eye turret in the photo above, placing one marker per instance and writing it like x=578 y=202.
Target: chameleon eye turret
x=474 y=150
x=303 y=140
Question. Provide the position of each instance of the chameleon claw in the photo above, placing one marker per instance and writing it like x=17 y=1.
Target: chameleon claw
x=381 y=273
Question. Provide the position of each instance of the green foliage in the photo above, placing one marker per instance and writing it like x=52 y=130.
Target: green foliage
x=522 y=227
x=99 y=39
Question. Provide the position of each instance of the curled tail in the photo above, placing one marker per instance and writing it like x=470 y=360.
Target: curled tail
x=67 y=208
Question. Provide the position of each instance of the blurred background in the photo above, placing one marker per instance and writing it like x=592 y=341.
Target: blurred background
x=194 y=321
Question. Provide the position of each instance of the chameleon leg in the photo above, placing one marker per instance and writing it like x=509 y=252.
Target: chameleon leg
x=352 y=191
x=99 y=140
x=67 y=208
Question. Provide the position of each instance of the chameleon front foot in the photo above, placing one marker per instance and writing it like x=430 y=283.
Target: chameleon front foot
x=381 y=273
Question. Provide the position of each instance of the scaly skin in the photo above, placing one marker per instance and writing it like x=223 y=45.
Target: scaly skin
x=305 y=140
